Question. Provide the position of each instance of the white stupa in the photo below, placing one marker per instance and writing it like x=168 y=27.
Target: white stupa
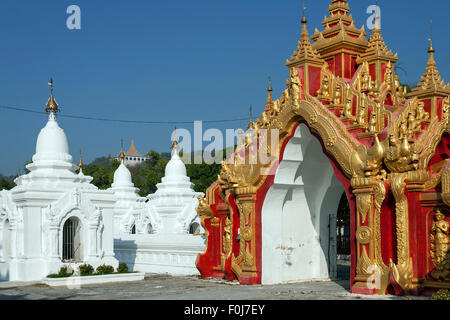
x=174 y=236
x=175 y=200
x=129 y=211
x=53 y=216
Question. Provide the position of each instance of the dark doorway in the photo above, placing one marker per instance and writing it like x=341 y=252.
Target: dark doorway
x=343 y=238
x=71 y=240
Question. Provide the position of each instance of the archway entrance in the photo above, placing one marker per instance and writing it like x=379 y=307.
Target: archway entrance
x=72 y=240
x=299 y=215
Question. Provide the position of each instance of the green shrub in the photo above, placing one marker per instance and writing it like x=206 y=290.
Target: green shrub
x=104 y=269
x=86 y=270
x=442 y=294
x=63 y=272
x=122 y=268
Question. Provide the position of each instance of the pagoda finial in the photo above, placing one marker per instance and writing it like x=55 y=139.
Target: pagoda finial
x=250 y=123
x=304 y=22
x=80 y=163
x=430 y=48
x=269 y=101
x=175 y=140
x=122 y=153
x=52 y=106
x=377 y=25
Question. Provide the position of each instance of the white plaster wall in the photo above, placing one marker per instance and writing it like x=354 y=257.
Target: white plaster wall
x=296 y=215
x=157 y=253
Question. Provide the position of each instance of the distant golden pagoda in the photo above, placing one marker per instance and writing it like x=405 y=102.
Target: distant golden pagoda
x=131 y=158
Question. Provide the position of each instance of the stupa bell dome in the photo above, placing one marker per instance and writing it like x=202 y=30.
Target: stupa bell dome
x=175 y=167
x=52 y=143
x=122 y=177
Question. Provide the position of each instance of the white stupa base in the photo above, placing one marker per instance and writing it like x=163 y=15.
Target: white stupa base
x=76 y=281
x=156 y=253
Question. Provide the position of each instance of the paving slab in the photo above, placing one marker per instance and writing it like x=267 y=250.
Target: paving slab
x=164 y=287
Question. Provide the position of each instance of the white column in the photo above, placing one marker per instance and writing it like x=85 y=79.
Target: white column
x=93 y=241
x=54 y=242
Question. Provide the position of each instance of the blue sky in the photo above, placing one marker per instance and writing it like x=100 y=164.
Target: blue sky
x=172 y=60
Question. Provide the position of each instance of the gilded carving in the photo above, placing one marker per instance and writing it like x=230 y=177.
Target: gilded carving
x=363 y=204
x=372 y=127
x=364 y=263
x=439 y=238
x=325 y=91
x=364 y=235
x=295 y=86
x=446 y=186
x=204 y=210
x=402 y=272
x=227 y=237
x=347 y=114
x=337 y=95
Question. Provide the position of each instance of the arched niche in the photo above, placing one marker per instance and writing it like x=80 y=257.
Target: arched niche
x=72 y=240
x=299 y=214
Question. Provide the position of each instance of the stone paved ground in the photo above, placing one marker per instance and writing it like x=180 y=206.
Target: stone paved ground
x=156 y=287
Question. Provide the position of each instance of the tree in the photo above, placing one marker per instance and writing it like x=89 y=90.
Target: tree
x=6 y=183
x=203 y=175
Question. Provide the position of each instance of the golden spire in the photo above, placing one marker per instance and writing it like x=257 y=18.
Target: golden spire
x=377 y=48
x=269 y=101
x=250 y=123
x=52 y=106
x=122 y=153
x=430 y=48
x=80 y=163
x=175 y=140
x=431 y=82
x=305 y=52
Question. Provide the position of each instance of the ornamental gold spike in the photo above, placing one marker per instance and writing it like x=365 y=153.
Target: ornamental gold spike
x=175 y=141
x=80 y=163
x=122 y=153
x=269 y=101
x=52 y=106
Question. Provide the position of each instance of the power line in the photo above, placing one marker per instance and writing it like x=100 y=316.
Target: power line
x=119 y=120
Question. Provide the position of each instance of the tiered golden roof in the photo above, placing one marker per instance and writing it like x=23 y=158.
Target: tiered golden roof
x=431 y=82
x=377 y=49
x=305 y=52
x=340 y=31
